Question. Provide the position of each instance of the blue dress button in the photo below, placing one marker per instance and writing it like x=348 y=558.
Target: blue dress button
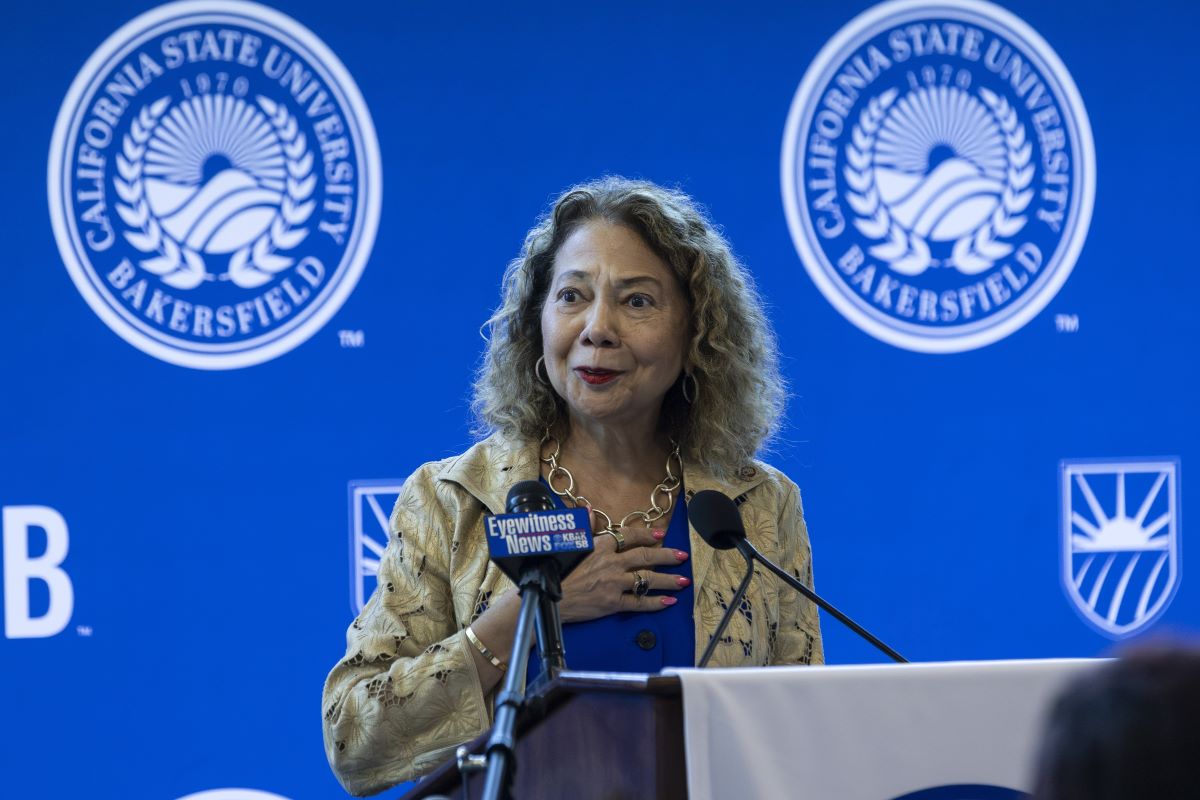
x=646 y=639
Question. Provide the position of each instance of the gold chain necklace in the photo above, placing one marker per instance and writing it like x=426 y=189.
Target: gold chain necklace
x=668 y=487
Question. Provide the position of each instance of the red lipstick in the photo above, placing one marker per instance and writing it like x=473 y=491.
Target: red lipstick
x=596 y=375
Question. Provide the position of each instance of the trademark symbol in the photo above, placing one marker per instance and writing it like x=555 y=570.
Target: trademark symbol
x=351 y=339
x=1066 y=323
x=83 y=630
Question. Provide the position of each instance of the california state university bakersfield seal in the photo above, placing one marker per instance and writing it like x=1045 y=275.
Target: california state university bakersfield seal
x=938 y=173
x=214 y=183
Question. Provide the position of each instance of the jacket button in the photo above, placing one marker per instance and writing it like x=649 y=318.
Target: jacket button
x=747 y=473
x=646 y=639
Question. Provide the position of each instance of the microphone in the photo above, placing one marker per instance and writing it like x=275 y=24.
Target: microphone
x=716 y=519
x=723 y=529
x=534 y=532
x=536 y=546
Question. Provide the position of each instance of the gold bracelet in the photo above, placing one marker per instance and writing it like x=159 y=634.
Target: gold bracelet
x=483 y=650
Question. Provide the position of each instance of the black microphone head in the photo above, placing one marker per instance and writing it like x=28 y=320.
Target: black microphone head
x=528 y=496
x=717 y=519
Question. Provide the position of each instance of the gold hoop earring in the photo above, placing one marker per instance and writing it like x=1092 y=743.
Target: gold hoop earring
x=540 y=366
x=683 y=387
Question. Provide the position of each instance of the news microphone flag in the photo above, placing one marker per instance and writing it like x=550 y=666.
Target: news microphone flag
x=562 y=534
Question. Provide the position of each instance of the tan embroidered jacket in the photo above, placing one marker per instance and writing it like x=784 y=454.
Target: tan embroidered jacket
x=407 y=691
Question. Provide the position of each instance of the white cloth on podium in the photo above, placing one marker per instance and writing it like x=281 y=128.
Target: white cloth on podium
x=865 y=732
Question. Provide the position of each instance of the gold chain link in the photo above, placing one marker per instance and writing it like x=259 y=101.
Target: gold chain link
x=666 y=488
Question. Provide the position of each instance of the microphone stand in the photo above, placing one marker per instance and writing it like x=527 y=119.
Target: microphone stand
x=541 y=589
x=549 y=635
x=732 y=607
x=749 y=551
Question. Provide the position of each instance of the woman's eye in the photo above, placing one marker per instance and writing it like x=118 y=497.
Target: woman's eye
x=640 y=301
x=568 y=295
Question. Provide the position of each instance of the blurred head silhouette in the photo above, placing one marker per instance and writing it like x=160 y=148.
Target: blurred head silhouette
x=1127 y=731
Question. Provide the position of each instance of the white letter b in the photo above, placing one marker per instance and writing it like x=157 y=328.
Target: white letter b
x=20 y=570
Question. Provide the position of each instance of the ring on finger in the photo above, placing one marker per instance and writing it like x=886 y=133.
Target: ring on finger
x=618 y=537
x=641 y=586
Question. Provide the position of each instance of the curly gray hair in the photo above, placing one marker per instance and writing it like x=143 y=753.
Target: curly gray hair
x=732 y=352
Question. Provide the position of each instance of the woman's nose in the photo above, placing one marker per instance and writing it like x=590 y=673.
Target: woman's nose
x=601 y=327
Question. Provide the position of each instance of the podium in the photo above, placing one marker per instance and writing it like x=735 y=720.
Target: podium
x=589 y=735
x=855 y=733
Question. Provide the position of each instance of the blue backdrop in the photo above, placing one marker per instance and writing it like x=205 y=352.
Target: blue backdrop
x=962 y=504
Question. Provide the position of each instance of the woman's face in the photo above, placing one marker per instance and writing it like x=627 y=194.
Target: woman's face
x=614 y=326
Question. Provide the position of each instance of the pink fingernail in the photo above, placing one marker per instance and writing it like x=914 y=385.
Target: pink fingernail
x=669 y=601
x=659 y=534
x=681 y=555
x=682 y=581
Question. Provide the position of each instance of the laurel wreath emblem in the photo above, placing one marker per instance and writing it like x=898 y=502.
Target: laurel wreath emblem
x=180 y=266
x=907 y=252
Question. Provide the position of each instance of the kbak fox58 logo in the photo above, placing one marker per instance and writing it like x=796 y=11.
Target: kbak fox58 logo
x=938 y=173
x=214 y=183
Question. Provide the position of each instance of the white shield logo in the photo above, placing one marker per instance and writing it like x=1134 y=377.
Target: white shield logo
x=370 y=501
x=1120 y=540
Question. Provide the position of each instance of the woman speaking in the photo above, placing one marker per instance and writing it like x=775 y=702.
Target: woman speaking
x=629 y=366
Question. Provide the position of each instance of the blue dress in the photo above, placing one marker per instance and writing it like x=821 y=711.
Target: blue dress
x=635 y=641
